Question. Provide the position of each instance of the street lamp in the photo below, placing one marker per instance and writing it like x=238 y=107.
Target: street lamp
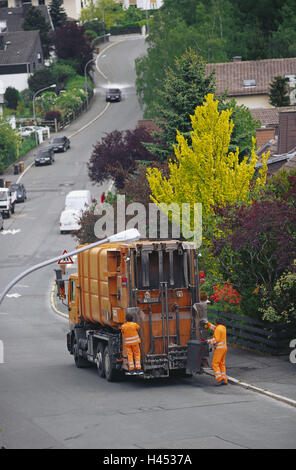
x=85 y=80
x=125 y=236
x=34 y=112
x=37 y=92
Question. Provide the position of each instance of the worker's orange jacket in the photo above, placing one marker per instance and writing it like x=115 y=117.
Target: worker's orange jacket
x=219 y=336
x=130 y=333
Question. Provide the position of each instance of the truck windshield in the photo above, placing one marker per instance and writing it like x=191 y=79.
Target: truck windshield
x=3 y=195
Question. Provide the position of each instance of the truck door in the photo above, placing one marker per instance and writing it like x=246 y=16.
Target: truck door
x=72 y=301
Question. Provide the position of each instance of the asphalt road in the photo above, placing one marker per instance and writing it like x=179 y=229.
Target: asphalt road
x=45 y=401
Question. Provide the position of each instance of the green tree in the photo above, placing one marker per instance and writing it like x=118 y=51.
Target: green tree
x=12 y=97
x=42 y=78
x=244 y=126
x=34 y=20
x=107 y=11
x=57 y=13
x=206 y=172
x=184 y=87
x=279 y=92
x=283 y=42
x=10 y=142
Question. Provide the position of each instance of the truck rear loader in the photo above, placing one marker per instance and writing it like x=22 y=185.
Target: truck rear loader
x=158 y=283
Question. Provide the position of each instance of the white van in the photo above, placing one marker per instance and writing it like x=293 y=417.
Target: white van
x=78 y=200
x=69 y=221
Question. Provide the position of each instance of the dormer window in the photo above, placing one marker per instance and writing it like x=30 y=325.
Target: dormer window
x=249 y=83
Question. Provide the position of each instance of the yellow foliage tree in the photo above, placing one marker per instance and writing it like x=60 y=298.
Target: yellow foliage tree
x=206 y=172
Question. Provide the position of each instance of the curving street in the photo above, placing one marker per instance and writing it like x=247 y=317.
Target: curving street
x=46 y=402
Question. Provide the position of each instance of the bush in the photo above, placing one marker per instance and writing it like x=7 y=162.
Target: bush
x=12 y=97
x=77 y=82
x=280 y=303
x=9 y=144
x=52 y=115
x=27 y=145
x=42 y=78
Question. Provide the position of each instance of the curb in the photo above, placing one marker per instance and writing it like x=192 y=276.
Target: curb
x=287 y=401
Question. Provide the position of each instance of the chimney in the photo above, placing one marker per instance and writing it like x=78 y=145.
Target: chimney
x=2 y=43
x=237 y=58
x=287 y=131
x=26 y=8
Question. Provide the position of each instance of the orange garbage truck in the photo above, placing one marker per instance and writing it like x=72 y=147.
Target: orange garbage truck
x=156 y=282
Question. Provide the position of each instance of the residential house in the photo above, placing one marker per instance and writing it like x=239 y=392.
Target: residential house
x=71 y=7
x=143 y=4
x=282 y=146
x=12 y=19
x=249 y=81
x=20 y=55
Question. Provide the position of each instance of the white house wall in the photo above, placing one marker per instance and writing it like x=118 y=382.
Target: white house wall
x=254 y=101
x=18 y=81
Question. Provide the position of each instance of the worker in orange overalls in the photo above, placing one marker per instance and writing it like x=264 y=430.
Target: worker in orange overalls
x=220 y=349
x=131 y=342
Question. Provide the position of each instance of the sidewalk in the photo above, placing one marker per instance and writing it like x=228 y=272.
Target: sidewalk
x=275 y=374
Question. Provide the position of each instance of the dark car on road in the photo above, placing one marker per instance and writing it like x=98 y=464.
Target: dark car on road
x=44 y=156
x=20 y=191
x=113 y=94
x=60 y=143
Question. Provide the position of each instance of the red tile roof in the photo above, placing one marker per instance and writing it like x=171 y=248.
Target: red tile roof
x=230 y=75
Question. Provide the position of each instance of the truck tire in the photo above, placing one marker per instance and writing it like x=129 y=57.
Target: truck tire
x=79 y=361
x=110 y=373
x=100 y=360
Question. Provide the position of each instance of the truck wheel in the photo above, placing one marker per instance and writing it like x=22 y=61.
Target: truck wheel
x=110 y=372
x=100 y=360
x=79 y=361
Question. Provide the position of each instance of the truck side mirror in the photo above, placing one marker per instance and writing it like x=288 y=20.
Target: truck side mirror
x=60 y=284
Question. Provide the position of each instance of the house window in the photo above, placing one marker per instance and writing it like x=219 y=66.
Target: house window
x=4 y=4
x=249 y=83
x=41 y=2
x=39 y=58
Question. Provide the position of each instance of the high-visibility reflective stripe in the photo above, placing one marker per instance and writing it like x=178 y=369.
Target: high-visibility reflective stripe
x=128 y=338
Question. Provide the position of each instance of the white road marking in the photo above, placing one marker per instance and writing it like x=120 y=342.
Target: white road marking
x=16 y=295
x=10 y=232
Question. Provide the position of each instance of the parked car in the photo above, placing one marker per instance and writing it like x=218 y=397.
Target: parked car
x=113 y=94
x=26 y=131
x=69 y=220
x=78 y=200
x=44 y=156
x=60 y=143
x=1 y=221
x=20 y=190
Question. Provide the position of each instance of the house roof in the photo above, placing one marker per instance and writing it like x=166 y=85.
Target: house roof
x=270 y=116
x=21 y=47
x=231 y=75
x=14 y=17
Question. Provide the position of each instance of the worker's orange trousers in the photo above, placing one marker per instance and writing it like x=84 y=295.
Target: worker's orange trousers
x=218 y=364
x=133 y=351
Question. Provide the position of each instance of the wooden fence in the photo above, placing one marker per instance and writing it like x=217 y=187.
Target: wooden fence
x=272 y=338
